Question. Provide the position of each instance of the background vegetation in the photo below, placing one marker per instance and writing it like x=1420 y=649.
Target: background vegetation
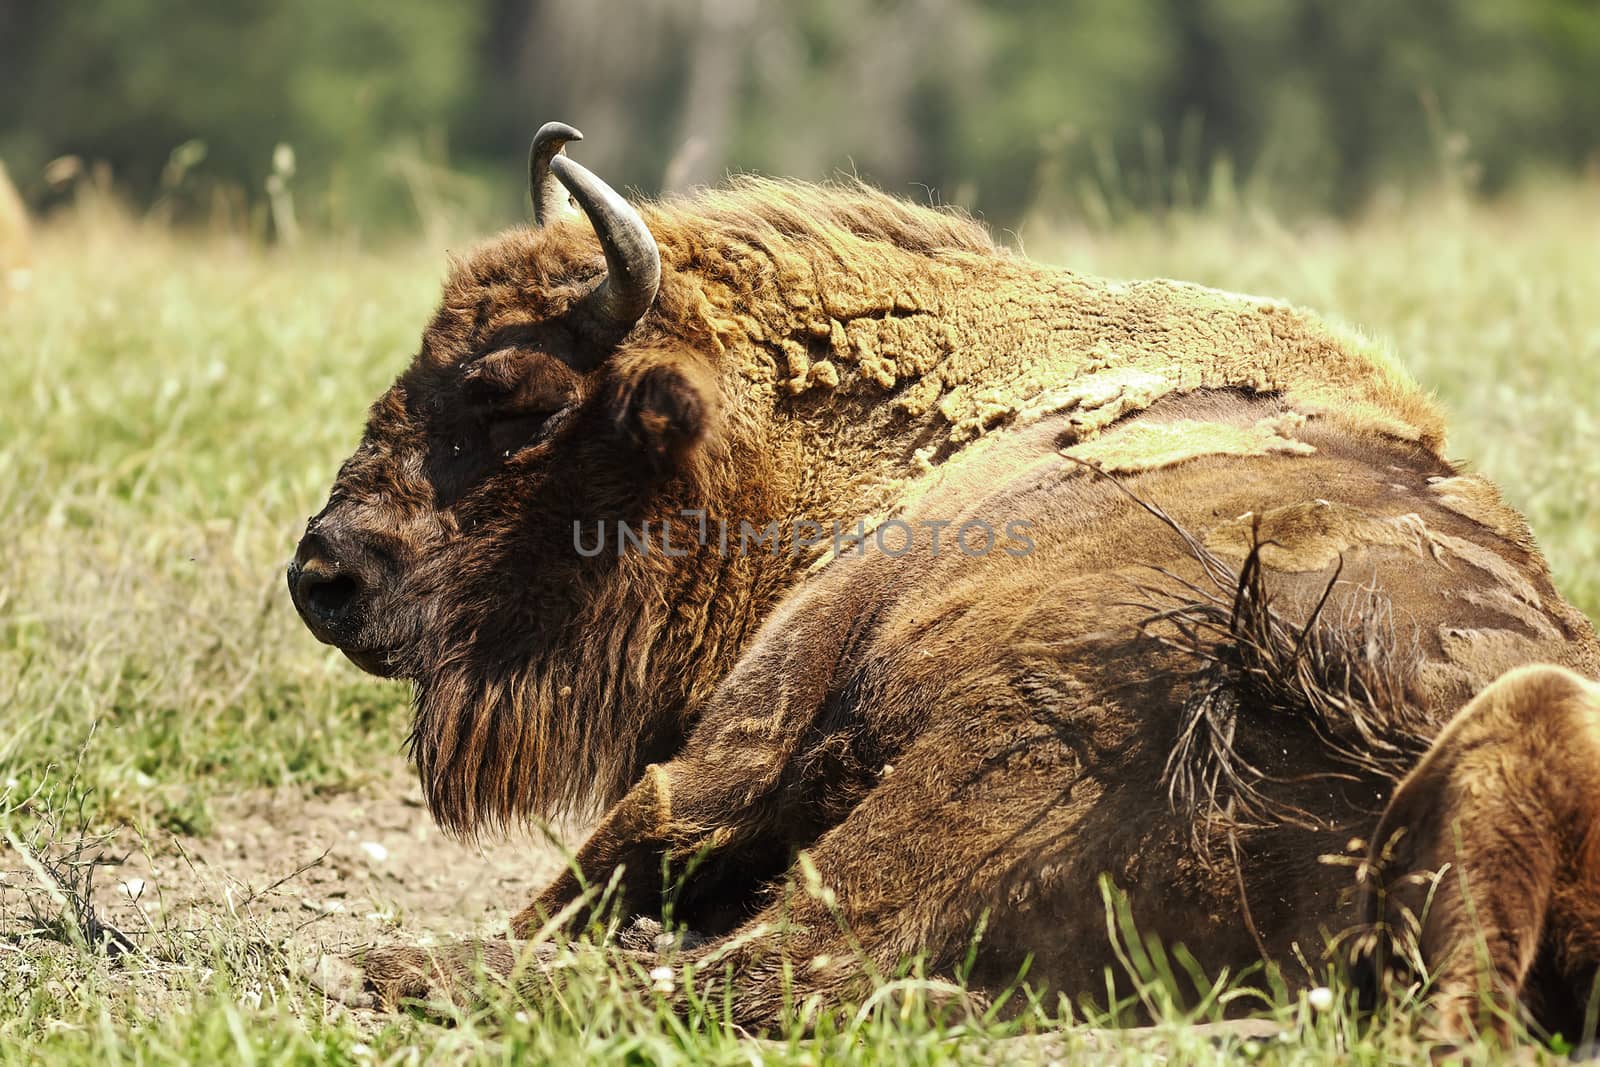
x=999 y=105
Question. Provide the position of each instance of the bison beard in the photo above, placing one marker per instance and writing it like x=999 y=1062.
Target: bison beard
x=1261 y=615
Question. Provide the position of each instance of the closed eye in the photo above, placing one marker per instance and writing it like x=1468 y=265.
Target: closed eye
x=511 y=432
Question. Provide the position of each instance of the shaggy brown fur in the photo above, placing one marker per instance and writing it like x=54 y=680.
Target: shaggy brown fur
x=1209 y=670
x=1488 y=854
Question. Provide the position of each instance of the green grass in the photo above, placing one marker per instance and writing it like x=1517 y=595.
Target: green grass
x=171 y=410
x=173 y=413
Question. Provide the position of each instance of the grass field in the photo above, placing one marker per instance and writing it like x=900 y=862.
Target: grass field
x=171 y=410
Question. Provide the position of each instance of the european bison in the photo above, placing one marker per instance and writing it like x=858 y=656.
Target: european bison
x=820 y=542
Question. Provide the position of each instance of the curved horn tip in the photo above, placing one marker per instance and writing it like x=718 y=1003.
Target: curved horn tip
x=556 y=131
x=633 y=262
x=549 y=199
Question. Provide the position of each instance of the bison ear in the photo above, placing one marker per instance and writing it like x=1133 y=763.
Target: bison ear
x=664 y=408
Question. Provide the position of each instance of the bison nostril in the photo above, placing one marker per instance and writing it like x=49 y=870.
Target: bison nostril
x=328 y=596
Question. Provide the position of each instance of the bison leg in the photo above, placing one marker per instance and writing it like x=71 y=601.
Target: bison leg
x=883 y=887
x=691 y=808
x=629 y=838
x=726 y=789
x=1484 y=868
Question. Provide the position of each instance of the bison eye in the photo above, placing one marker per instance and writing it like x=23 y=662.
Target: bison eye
x=512 y=431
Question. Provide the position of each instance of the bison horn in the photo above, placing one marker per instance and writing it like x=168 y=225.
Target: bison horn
x=633 y=263
x=549 y=198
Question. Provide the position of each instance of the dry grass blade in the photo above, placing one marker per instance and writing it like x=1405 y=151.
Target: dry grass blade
x=71 y=887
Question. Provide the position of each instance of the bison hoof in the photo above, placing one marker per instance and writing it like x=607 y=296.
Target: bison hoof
x=645 y=935
x=337 y=978
x=442 y=979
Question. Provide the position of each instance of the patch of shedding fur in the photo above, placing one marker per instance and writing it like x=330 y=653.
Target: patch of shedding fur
x=1472 y=657
x=1490 y=650
x=1145 y=446
x=1513 y=607
x=888 y=298
x=1475 y=497
x=860 y=327
x=1349 y=681
x=1487 y=561
x=1311 y=535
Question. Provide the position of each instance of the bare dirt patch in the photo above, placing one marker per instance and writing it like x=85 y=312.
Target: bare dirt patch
x=289 y=870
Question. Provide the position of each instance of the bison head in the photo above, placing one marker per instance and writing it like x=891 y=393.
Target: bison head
x=546 y=392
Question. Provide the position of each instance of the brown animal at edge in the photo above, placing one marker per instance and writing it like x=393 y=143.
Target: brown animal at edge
x=1235 y=608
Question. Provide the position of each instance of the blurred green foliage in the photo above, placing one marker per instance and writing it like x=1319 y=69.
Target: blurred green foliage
x=1006 y=106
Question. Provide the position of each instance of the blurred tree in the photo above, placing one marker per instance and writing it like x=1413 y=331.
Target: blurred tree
x=128 y=81
x=1002 y=105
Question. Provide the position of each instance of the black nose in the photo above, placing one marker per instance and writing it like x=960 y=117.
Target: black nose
x=329 y=582
x=326 y=593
